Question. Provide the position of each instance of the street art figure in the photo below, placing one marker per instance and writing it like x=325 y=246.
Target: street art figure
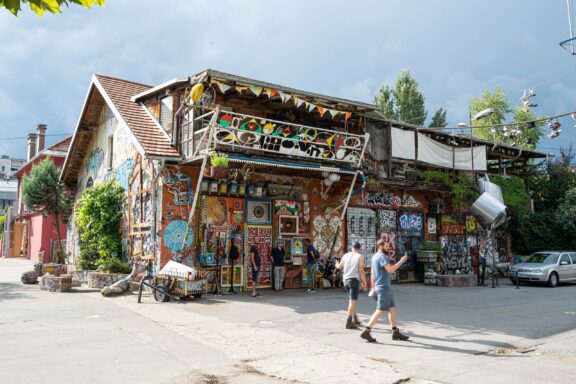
x=122 y=286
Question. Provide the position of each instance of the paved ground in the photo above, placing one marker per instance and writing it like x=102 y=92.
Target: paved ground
x=458 y=335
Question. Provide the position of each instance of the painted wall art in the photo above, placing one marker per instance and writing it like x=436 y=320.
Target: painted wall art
x=324 y=229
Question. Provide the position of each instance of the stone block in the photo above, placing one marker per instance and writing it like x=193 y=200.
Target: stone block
x=451 y=281
x=100 y=279
x=29 y=277
x=53 y=283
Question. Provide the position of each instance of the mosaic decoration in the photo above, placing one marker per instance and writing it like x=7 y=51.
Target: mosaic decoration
x=261 y=236
x=123 y=173
x=236 y=211
x=323 y=230
x=258 y=212
x=216 y=211
x=174 y=235
x=284 y=207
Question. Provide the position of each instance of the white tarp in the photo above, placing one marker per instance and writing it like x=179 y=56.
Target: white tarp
x=403 y=145
x=432 y=152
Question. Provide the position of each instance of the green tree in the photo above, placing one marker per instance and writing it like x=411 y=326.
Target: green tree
x=405 y=102
x=513 y=134
x=566 y=214
x=439 y=119
x=41 y=6
x=98 y=222
x=385 y=102
x=409 y=100
x=43 y=192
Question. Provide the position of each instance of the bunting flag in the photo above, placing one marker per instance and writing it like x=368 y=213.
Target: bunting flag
x=334 y=112
x=256 y=90
x=223 y=87
x=285 y=97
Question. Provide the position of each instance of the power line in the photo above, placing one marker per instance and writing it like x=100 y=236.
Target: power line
x=25 y=137
x=509 y=124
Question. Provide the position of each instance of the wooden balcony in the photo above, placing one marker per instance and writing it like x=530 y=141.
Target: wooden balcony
x=238 y=133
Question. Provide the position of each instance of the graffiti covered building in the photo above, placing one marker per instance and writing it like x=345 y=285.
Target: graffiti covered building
x=297 y=169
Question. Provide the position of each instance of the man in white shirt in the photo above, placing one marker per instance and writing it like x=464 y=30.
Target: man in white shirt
x=352 y=265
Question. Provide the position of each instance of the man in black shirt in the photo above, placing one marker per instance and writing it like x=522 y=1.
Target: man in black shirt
x=254 y=264
x=277 y=254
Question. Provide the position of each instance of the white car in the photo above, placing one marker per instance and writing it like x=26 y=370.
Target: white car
x=550 y=267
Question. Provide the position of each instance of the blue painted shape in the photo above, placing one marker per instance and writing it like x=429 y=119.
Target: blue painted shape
x=174 y=235
x=123 y=172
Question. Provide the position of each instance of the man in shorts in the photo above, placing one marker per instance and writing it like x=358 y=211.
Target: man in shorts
x=254 y=263
x=381 y=291
x=352 y=264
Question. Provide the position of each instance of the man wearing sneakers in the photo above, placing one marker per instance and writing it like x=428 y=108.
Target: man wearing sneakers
x=312 y=256
x=381 y=270
x=352 y=264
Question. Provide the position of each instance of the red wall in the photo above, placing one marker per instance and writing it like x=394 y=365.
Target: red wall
x=40 y=236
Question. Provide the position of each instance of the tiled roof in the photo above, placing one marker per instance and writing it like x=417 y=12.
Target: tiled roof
x=147 y=132
x=61 y=145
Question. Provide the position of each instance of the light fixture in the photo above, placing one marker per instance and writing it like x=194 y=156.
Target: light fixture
x=482 y=114
x=334 y=177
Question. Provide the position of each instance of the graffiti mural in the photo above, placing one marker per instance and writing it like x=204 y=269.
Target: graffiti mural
x=410 y=223
x=178 y=185
x=94 y=162
x=296 y=140
x=361 y=227
x=409 y=201
x=452 y=225
x=123 y=172
x=324 y=228
x=384 y=199
x=387 y=220
x=455 y=258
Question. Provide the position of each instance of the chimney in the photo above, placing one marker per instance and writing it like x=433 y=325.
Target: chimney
x=31 y=145
x=41 y=137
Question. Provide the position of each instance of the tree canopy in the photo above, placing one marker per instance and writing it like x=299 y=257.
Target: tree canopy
x=41 y=6
x=404 y=102
x=514 y=134
x=439 y=119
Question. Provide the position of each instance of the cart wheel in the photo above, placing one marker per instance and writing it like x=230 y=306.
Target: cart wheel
x=161 y=293
x=197 y=295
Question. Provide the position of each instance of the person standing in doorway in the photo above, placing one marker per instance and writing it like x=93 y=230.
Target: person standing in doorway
x=312 y=256
x=255 y=264
x=352 y=264
x=381 y=291
x=277 y=255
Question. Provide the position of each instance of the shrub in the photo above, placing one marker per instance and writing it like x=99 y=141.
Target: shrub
x=219 y=159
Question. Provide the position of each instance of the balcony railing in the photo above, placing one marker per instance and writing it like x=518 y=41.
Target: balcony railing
x=235 y=132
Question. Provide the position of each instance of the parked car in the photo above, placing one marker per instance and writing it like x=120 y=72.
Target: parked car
x=550 y=267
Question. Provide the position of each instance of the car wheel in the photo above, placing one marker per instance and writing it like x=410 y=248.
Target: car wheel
x=161 y=293
x=553 y=280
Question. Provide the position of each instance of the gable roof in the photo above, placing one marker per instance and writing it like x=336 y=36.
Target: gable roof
x=148 y=133
x=62 y=145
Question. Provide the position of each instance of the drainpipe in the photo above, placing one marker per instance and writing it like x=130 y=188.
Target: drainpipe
x=158 y=167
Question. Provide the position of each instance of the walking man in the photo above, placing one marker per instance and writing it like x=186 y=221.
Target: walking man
x=352 y=264
x=381 y=270
x=312 y=255
x=254 y=263
x=278 y=254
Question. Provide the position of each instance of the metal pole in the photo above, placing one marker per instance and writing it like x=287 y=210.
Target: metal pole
x=490 y=247
x=343 y=213
x=516 y=278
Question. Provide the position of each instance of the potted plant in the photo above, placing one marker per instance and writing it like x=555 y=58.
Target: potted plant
x=428 y=251
x=372 y=185
x=219 y=165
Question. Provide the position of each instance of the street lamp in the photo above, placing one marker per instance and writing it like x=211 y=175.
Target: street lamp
x=478 y=116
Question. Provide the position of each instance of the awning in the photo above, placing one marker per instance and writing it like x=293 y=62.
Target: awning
x=283 y=164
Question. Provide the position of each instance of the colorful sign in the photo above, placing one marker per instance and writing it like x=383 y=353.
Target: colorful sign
x=410 y=223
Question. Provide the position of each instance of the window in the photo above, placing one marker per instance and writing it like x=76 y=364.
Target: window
x=3 y=168
x=110 y=151
x=564 y=258
x=166 y=106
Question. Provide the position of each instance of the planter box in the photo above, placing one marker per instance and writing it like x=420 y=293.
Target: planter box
x=52 y=268
x=100 y=279
x=53 y=283
x=456 y=280
x=372 y=188
x=218 y=172
x=427 y=256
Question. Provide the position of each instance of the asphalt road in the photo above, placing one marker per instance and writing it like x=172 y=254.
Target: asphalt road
x=458 y=335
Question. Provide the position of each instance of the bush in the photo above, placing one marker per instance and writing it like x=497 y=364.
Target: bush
x=114 y=265
x=218 y=159
x=88 y=259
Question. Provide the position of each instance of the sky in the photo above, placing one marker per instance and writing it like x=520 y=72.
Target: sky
x=455 y=49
